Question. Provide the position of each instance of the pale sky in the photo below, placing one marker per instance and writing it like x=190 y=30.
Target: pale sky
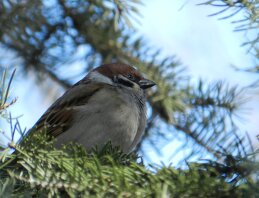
x=205 y=45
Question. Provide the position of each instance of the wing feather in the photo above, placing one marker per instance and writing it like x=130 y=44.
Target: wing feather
x=59 y=117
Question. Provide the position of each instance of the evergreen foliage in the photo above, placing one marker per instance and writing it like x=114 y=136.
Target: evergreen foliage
x=41 y=170
x=248 y=23
x=48 y=37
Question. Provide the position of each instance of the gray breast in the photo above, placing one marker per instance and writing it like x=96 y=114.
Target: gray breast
x=120 y=119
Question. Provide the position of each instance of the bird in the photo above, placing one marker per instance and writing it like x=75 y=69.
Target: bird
x=107 y=105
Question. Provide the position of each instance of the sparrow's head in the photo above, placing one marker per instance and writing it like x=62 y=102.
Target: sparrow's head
x=120 y=74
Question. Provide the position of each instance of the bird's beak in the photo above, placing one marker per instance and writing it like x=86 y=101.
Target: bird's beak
x=144 y=84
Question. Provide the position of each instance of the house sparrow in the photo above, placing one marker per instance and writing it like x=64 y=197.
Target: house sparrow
x=108 y=104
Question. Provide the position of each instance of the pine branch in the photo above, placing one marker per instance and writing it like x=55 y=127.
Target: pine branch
x=197 y=140
x=249 y=22
x=37 y=169
x=64 y=83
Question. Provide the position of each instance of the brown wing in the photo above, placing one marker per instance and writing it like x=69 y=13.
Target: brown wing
x=55 y=121
x=59 y=117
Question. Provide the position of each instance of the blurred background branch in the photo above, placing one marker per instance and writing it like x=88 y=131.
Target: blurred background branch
x=248 y=23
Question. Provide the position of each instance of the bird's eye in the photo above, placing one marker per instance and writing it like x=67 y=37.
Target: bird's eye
x=130 y=77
